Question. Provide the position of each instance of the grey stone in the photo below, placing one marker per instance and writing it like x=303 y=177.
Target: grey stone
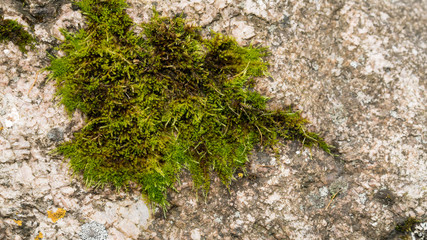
x=338 y=185
x=385 y=196
x=56 y=134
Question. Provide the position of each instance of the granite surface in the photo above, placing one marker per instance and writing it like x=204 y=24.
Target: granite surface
x=357 y=70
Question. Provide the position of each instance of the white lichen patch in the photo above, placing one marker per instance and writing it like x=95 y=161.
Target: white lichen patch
x=93 y=231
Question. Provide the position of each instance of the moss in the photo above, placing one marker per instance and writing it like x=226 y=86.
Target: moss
x=11 y=30
x=164 y=100
x=407 y=226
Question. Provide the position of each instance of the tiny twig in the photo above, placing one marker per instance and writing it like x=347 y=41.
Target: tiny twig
x=32 y=85
x=332 y=199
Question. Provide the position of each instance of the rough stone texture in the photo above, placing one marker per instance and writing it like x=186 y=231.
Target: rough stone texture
x=357 y=69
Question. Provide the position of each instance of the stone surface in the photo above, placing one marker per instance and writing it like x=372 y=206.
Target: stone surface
x=55 y=134
x=357 y=70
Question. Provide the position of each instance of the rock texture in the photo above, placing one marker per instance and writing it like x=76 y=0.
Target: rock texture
x=357 y=69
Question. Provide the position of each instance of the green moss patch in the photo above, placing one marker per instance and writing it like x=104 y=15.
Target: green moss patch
x=11 y=30
x=407 y=225
x=164 y=100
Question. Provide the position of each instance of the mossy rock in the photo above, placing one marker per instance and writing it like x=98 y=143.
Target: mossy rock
x=11 y=30
x=163 y=100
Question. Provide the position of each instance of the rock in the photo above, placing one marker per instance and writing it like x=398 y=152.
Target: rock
x=139 y=213
x=111 y=212
x=338 y=185
x=40 y=2
x=116 y=234
x=21 y=144
x=7 y=155
x=11 y=118
x=22 y=154
x=24 y=175
x=242 y=31
x=195 y=234
x=67 y=190
x=42 y=185
x=357 y=70
x=386 y=197
x=99 y=217
x=55 y=134
x=128 y=228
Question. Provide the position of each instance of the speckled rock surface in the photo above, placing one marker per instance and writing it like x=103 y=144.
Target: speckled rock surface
x=357 y=69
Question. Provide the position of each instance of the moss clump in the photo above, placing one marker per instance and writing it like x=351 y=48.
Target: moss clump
x=163 y=100
x=407 y=226
x=11 y=30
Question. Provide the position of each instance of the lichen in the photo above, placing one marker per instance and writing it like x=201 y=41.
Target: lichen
x=164 y=100
x=11 y=30
x=55 y=216
x=420 y=231
x=19 y=222
x=39 y=236
x=93 y=231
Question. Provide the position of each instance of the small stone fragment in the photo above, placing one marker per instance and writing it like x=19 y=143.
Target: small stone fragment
x=55 y=135
x=385 y=197
x=195 y=234
x=11 y=118
x=128 y=228
x=21 y=144
x=139 y=213
x=25 y=174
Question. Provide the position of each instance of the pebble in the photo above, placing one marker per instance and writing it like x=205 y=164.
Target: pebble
x=55 y=134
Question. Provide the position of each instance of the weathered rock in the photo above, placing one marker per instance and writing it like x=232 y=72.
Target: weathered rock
x=356 y=69
x=128 y=229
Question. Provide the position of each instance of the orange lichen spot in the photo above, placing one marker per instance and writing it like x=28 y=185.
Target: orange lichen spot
x=55 y=216
x=19 y=222
x=40 y=236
